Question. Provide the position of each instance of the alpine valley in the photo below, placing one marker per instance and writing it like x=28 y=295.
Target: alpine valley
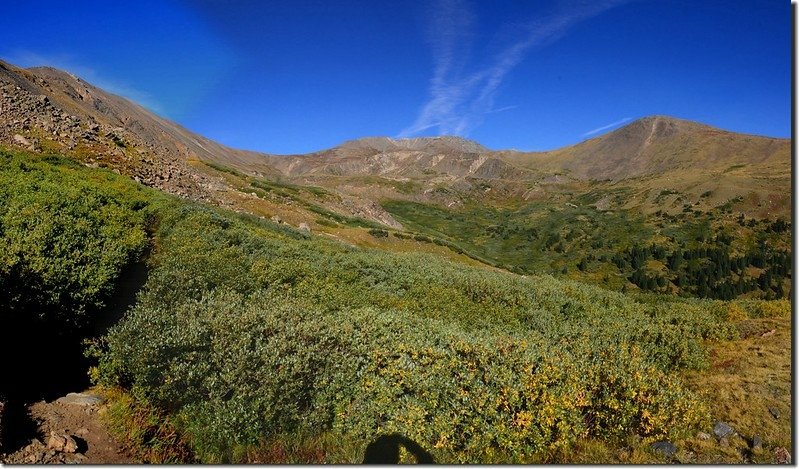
x=623 y=299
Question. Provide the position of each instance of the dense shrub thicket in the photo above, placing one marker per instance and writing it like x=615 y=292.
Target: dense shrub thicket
x=248 y=330
x=244 y=332
x=66 y=238
x=235 y=370
x=63 y=238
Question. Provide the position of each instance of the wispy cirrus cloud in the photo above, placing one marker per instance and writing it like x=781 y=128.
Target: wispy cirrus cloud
x=606 y=127
x=70 y=64
x=502 y=109
x=460 y=99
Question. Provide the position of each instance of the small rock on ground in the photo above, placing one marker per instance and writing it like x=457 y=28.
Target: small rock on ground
x=722 y=430
x=62 y=443
x=666 y=448
x=782 y=456
x=775 y=412
x=37 y=453
x=757 y=443
x=72 y=423
x=79 y=398
x=21 y=140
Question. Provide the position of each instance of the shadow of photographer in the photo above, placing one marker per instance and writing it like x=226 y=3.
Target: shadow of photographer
x=386 y=450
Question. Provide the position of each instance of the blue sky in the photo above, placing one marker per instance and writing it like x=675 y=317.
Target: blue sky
x=293 y=76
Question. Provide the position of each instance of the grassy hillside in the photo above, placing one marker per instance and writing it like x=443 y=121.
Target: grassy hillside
x=717 y=253
x=657 y=145
x=253 y=341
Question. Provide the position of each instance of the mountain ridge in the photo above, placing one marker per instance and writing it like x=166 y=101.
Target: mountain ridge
x=646 y=146
x=44 y=71
x=47 y=110
x=656 y=144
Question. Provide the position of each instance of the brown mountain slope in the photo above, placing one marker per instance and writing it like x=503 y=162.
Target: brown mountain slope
x=158 y=133
x=417 y=158
x=659 y=144
x=652 y=156
x=46 y=110
x=652 y=145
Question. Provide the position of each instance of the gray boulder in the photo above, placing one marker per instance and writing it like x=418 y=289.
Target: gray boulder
x=79 y=398
x=757 y=443
x=666 y=448
x=722 y=430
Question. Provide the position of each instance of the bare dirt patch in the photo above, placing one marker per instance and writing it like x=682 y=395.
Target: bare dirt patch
x=70 y=430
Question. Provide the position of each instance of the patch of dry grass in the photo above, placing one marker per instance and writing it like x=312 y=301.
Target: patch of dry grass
x=145 y=432
x=361 y=237
x=746 y=379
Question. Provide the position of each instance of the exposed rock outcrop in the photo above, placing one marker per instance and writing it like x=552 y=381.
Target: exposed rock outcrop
x=49 y=111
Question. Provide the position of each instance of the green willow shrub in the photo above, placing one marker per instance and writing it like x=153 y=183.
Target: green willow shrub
x=234 y=371
x=248 y=330
x=64 y=237
x=766 y=309
x=378 y=233
x=245 y=332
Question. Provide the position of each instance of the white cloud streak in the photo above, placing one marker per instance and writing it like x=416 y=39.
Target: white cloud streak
x=67 y=63
x=504 y=108
x=606 y=127
x=459 y=101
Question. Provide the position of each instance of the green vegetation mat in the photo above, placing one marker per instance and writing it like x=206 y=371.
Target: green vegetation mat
x=703 y=254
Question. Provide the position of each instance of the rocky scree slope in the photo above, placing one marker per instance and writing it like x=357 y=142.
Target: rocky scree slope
x=46 y=110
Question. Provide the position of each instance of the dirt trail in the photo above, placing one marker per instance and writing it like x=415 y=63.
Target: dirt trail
x=70 y=430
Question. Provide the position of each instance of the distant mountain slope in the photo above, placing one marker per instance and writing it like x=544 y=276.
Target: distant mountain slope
x=658 y=144
x=424 y=144
x=652 y=145
x=422 y=158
